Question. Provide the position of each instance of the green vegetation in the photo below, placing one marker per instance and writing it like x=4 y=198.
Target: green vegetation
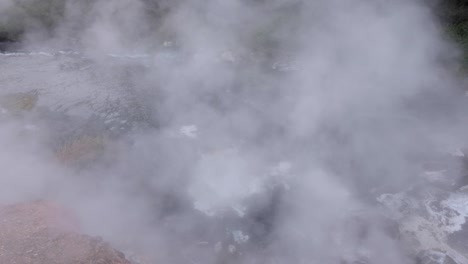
x=459 y=32
x=454 y=14
x=21 y=15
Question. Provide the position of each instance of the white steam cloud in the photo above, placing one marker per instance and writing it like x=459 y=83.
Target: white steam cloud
x=255 y=128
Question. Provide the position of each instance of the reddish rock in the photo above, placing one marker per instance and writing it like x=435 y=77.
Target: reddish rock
x=44 y=233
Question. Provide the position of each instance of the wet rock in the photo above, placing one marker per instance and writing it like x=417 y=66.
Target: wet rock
x=429 y=222
x=434 y=257
x=44 y=233
x=81 y=150
x=76 y=65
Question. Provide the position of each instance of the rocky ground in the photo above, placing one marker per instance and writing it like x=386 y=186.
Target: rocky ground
x=82 y=127
x=43 y=232
x=88 y=112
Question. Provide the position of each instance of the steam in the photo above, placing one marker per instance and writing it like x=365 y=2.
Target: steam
x=269 y=121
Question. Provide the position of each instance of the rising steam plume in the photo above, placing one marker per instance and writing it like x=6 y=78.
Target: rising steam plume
x=256 y=128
